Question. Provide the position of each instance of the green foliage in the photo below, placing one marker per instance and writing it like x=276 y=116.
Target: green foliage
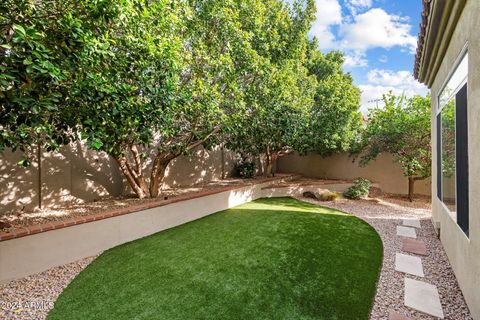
x=147 y=81
x=334 y=119
x=401 y=128
x=360 y=189
x=245 y=169
x=448 y=139
x=281 y=91
x=34 y=74
x=127 y=74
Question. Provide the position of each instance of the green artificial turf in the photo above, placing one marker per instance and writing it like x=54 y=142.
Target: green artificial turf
x=276 y=258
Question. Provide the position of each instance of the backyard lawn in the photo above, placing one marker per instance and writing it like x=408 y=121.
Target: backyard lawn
x=276 y=258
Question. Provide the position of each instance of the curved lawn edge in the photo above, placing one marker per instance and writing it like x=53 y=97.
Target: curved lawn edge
x=292 y=264
x=368 y=223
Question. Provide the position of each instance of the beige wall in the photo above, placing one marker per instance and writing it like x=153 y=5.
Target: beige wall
x=35 y=253
x=76 y=174
x=463 y=252
x=383 y=171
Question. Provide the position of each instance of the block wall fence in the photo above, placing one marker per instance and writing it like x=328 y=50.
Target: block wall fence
x=76 y=174
x=386 y=173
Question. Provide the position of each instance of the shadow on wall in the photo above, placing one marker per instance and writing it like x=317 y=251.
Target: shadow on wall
x=18 y=186
x=341 y=166
x=203 y=166
x=200 y=167
x=76 y=174
x=72 y=175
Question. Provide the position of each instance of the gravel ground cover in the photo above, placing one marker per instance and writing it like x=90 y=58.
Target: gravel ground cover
x=32 y=297
x=385 y=214
x=28 y=218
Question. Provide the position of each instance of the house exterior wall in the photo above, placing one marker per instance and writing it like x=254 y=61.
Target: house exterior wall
x=383 y=171
x=463 y=252
x=76 y=174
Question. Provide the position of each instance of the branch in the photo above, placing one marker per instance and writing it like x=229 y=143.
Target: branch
x=136 y=158
x=199 y=142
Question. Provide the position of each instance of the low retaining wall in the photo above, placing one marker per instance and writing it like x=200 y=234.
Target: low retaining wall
x=383 y=171
x=291 y=191
x=29 y=254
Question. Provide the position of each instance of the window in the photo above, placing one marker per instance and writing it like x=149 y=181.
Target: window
x=452 y=145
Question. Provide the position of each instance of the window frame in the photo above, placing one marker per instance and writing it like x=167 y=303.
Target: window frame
x=438 y=117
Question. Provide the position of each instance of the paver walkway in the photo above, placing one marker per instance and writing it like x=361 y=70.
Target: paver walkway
x=412 y=223
x=386 y=218
x=423 y=297
x=409 y=264
x=418 y=295
x=414 y=246
x=406 y=232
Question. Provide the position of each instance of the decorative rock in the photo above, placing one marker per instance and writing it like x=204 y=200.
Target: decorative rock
x=309 y=194
x=4 y=225
x=406 y=232
x=423 y=297
x=391 y=286
x=409 y=264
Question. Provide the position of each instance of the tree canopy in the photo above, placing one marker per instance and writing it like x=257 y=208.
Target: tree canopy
x=335 y=121
x=146 y=81
x=401 y=128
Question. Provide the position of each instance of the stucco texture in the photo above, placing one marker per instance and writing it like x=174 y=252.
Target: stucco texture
x=382 y=171
x=76 y=174
x=463 y=252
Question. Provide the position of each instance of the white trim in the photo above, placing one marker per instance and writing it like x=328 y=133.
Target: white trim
x=458 y=61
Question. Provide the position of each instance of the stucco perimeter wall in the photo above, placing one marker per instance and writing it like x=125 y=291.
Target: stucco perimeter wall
x=38 y=252
x=463 y=252
x=76 y=174
x=382 y=171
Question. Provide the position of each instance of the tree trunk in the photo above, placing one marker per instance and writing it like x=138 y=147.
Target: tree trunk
x=136 y=185
x=160 y=165
x=273 y=161
x=268 y=163
x=411 y=185
x=270 y=159
x=135 y=176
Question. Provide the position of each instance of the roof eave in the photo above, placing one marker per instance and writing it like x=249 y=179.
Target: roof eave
x=440 y=18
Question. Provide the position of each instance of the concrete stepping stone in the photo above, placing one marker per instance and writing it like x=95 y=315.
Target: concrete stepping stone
x=393 y=315
x=406 y=232
x=423 y=297
x=409 y=264
x=412 y=223
x=414 y=246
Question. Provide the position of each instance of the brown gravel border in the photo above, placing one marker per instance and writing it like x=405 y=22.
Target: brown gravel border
x=16 y=297
x=27 y=223
x=385 y=214
x=32 y=297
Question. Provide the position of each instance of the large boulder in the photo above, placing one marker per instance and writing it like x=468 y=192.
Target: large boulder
x=310 y=194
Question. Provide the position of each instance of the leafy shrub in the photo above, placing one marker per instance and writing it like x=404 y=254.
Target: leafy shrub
x=328 y=196
x=245 y=169
x=360 y=189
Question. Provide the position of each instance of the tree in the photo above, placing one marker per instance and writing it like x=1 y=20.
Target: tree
x=281 y=90
x=35 y=70
x=160 y=83
x=335 y=121
x=401 y=128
